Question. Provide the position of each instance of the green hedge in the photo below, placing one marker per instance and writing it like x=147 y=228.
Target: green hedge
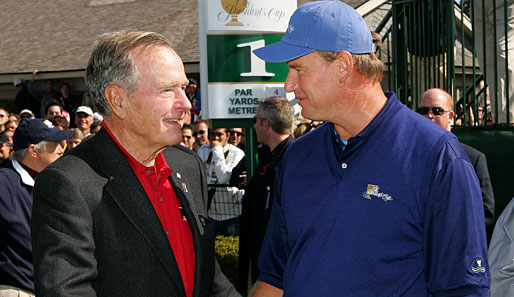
x=227 y=248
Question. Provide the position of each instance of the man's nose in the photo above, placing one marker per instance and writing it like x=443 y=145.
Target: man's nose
x=183 y=101
x=291 y=82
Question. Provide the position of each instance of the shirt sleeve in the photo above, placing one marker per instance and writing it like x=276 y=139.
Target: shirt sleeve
x=35 y=92
x=274 y=252
x=455 y=242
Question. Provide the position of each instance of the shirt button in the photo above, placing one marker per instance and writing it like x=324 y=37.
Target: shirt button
x=344 y=165
x=148 y=171
x=160 y=199
x=168 y=232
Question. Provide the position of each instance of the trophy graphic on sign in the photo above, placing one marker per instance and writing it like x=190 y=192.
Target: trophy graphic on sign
x=234 y=8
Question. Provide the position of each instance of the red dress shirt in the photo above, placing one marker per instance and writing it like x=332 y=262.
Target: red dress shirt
x=167 y=206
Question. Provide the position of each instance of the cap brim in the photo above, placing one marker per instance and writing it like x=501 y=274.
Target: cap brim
x=60 y=135
x=281 y=52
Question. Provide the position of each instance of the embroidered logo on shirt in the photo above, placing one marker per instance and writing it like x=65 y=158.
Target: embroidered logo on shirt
x=372 y=190
x=48 y=123
x=477 y=265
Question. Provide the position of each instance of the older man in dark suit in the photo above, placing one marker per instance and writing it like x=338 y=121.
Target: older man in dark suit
x=124 y=213
x=437 y=105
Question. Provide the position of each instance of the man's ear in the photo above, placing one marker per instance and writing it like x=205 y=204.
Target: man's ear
x=344 y=65
x=451 y=115
x=32 y=151
x=117 y=99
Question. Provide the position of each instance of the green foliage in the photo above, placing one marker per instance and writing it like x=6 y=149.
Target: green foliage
x=227 y=248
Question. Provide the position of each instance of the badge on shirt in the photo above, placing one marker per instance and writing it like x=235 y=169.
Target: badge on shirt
x=477 y=265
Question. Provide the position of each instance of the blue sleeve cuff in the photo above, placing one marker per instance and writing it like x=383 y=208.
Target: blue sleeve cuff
x=464 y=292
x=271 y=280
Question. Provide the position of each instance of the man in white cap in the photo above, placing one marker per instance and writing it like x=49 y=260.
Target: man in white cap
x=26 y=114
x=84 y=119
x=36 y=144
x=388 y=204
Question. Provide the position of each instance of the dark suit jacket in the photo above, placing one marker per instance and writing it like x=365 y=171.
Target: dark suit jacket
x=479 y=162
x=256 y=212
x=95 y=232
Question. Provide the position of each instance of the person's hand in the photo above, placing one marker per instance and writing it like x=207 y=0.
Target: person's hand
x=34 y=73
x=214 y=143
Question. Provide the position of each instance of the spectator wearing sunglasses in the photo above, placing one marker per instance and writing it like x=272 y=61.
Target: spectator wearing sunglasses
x=237 y=138
x=187 y=138
x=220 y=158
x=4 y=117
x=201 y=133
x=437 y=106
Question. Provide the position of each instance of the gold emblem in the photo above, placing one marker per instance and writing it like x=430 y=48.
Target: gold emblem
x=234 y=8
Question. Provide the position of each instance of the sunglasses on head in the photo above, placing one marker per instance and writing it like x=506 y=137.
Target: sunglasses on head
x=435 y=110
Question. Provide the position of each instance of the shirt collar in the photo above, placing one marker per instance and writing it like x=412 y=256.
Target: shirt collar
x=160 y=163
x=25 y=176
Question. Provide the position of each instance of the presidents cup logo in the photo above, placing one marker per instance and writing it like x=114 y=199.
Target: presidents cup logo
x=477 y=265
x=372 y=190
x=234 y=8
x=265 y=11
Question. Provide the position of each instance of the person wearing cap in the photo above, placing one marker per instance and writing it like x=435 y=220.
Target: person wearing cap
x=124 y=213
x=84 y=119
x=36 y=145
x=26 y=114
x=24 y=100
x=377 y=201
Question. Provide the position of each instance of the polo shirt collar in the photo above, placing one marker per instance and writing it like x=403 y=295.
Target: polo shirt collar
x=25 y=176
x=139 y=169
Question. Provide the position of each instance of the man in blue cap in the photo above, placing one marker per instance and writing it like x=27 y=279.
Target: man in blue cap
x=36 y=144
x=389 y=204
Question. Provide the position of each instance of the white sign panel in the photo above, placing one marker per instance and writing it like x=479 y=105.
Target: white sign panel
x=250 y=16
x=241 y=100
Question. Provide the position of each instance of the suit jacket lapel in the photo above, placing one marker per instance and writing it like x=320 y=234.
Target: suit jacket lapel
x=181 y=187
x=125 y=189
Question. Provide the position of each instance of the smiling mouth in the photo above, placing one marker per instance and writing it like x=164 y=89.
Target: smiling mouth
x=170 y=120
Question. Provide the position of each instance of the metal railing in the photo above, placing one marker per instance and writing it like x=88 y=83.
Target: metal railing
x=463 y=47
x=225 y=202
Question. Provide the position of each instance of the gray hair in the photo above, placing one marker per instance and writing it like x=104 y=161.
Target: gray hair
x=279 y=112
x=19 y=155
x=111 y=63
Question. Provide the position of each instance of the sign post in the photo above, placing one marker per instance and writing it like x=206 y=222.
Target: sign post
x=232 y=78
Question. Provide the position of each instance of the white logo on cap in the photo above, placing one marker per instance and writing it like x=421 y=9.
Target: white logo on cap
x=290 y=29
x=48 y=123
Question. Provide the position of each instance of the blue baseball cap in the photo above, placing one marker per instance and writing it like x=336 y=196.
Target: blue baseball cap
x=321 y=26
x=36 y=130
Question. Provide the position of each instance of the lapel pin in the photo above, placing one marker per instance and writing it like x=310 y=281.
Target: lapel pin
x=184 y=187
x=178 y=175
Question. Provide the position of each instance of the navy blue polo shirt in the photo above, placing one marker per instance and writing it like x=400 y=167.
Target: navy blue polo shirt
x=16 y=267
x=396 y=212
